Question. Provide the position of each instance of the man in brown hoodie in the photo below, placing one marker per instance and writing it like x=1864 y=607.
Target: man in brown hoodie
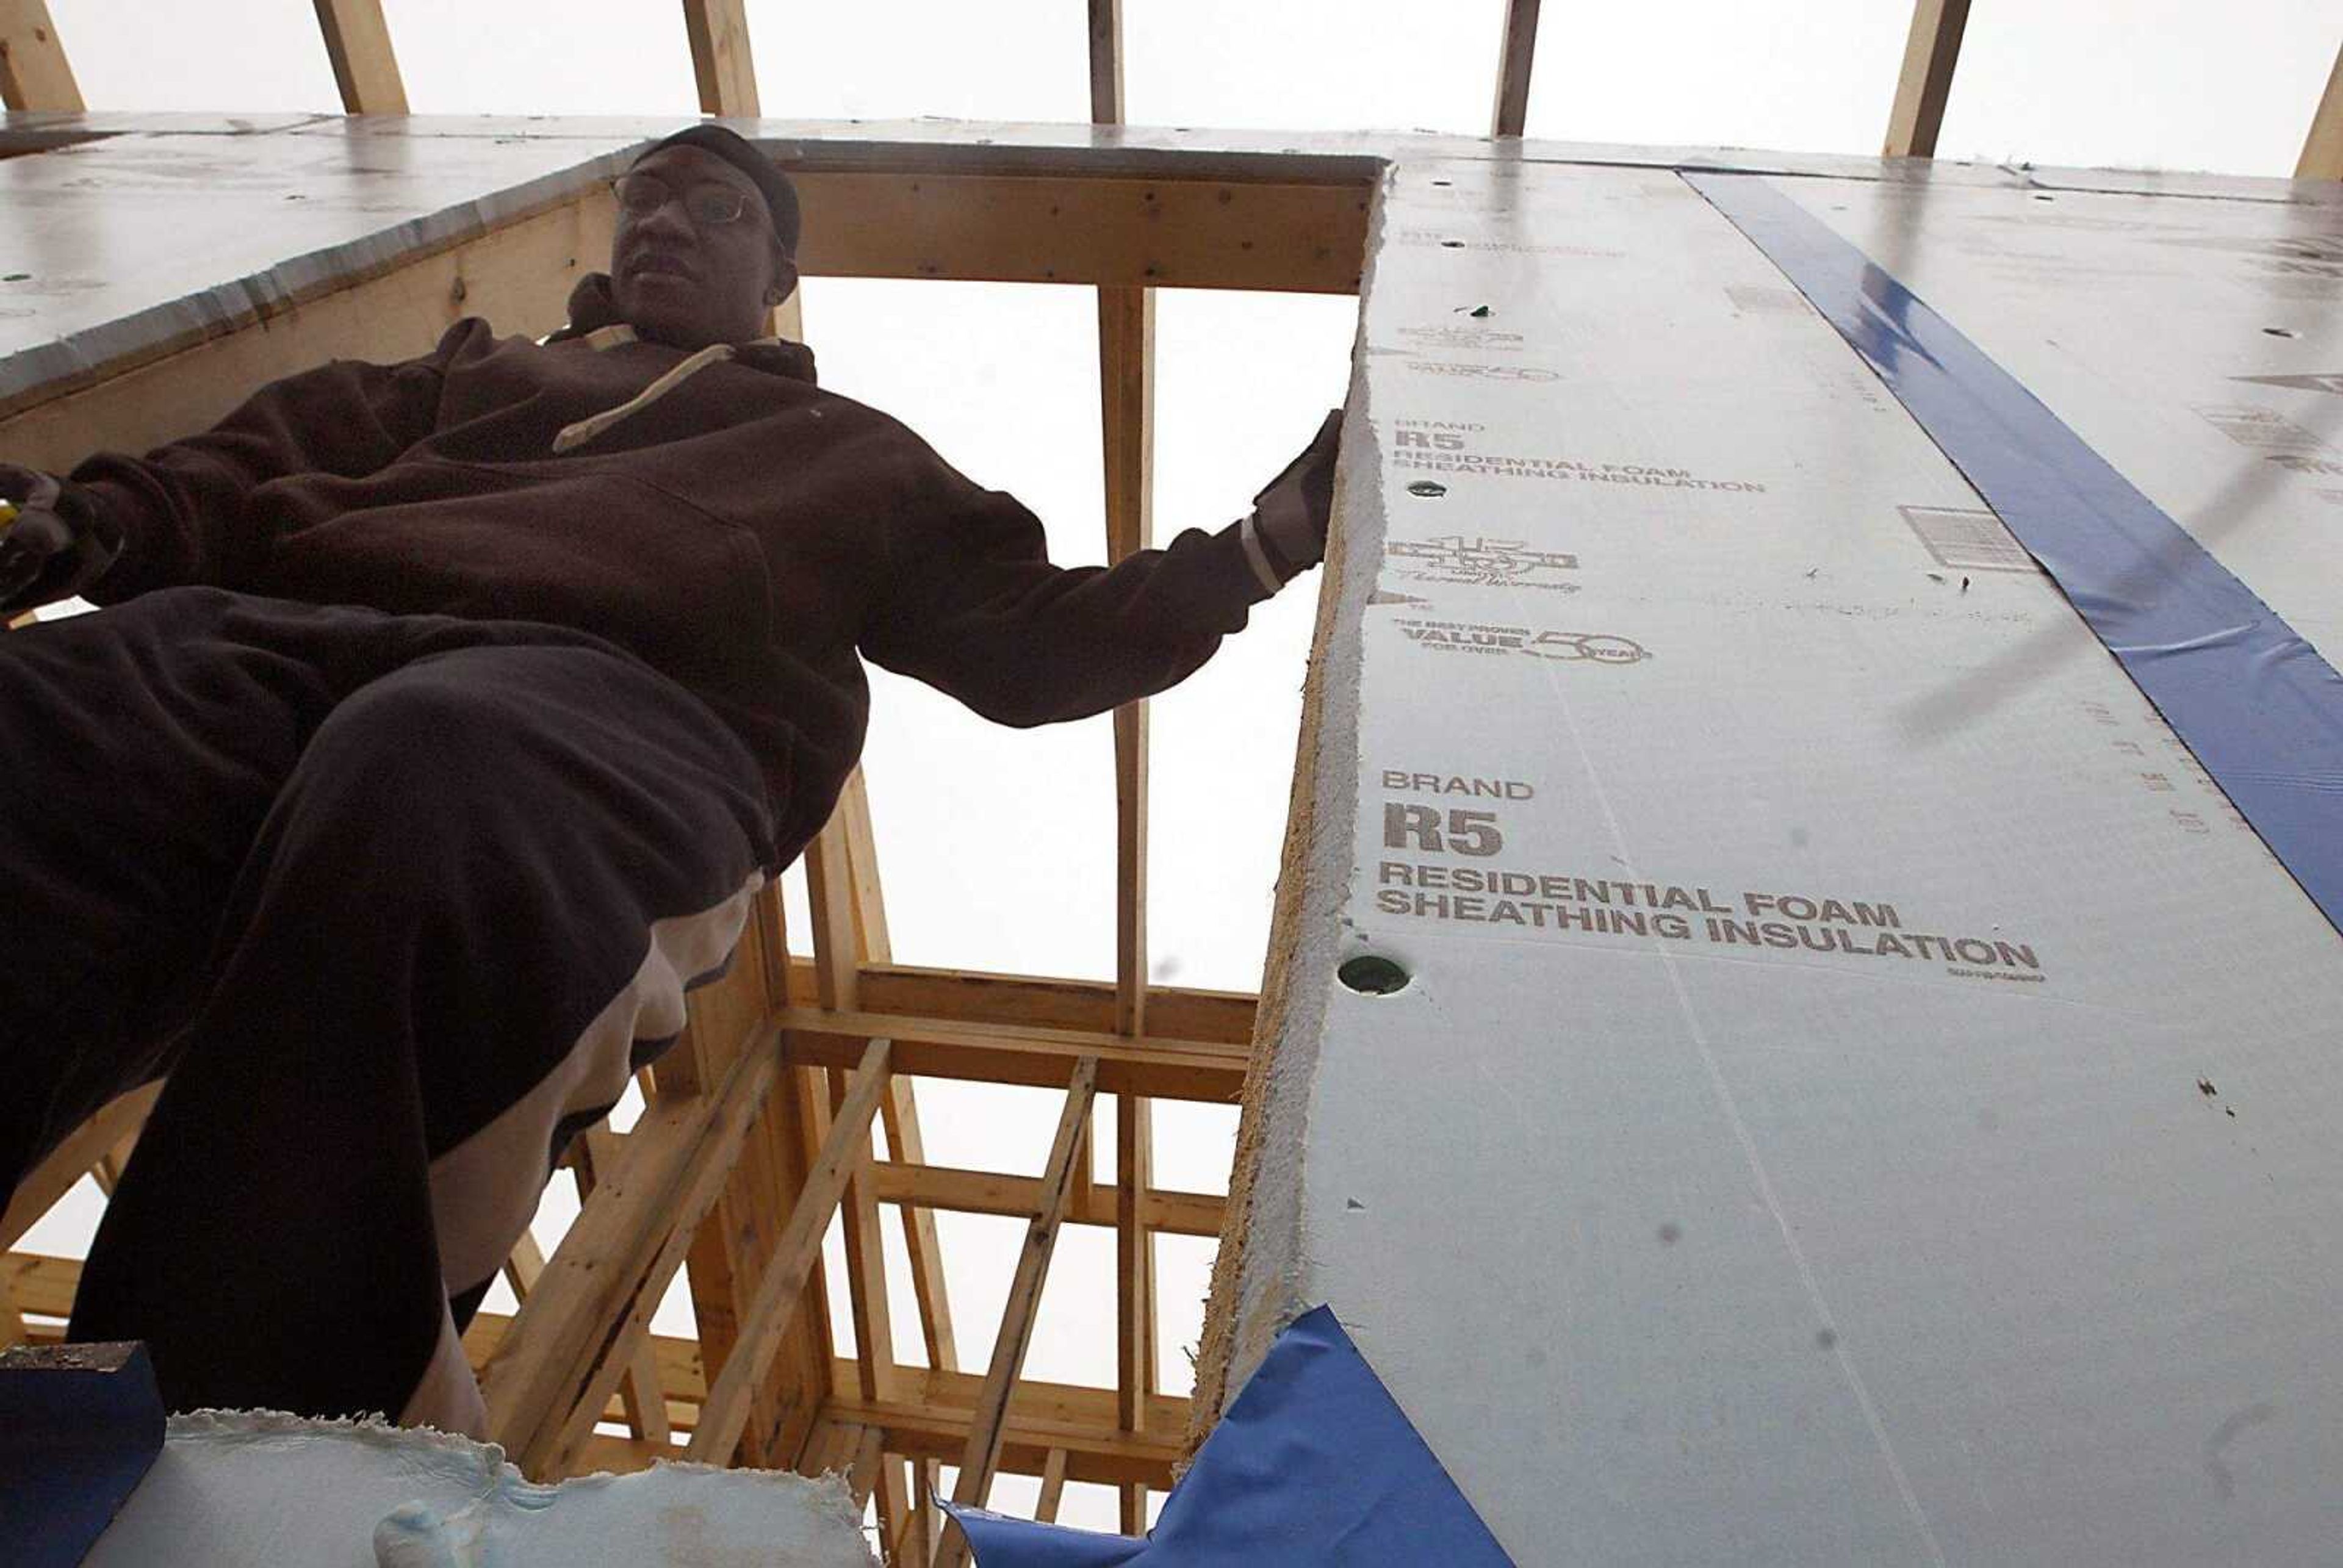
x=445 y=719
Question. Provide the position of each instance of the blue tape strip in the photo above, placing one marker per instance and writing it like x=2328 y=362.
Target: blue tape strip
x=1312 y=1465
x=2257 y=704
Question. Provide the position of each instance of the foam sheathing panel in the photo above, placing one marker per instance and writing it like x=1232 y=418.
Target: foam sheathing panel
x=1861 y=1095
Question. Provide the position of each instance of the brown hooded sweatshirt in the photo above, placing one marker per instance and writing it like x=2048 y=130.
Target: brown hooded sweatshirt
x=715 y=514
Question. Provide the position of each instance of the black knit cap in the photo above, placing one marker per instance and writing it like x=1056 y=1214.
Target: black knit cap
x=780 y=195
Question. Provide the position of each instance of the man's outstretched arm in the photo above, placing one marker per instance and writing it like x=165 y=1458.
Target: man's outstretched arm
x=976 y=610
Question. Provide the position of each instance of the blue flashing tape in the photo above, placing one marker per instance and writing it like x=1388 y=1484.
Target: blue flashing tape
x=1314 y=1466
x=2257 y=704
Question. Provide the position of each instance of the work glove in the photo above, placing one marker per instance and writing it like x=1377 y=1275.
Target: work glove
x=53 y=543
x=1286 y=534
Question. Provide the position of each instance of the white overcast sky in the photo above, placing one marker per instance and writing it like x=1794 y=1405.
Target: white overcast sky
x=997 y=846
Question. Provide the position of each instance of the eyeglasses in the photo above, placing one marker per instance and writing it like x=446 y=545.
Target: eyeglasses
x=708 y=206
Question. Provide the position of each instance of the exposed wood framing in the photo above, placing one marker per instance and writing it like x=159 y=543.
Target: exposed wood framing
x=738 y=1241
x=1053 y=1487
x=518 y=275
x=726 y=1412
x=987 y=1430
x=992 y=1192
x=73 y=1159
x=34 y=72
x=866 y=1262
x=900 y=1111
x=1930 y=53
x=553 y=1374
x=1106 y=62
x=641 y=1397
x=1134 y=1279
x=2322 y=148
x=996 y=1053
x=721 y=60
x=1126 y=319
x=753 y=1135
x=366 y=70
x=1133 y=232
x=1218 y=1018
x=1512 y=108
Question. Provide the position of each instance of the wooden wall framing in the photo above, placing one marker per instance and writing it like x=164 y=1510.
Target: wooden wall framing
x=788 y=1107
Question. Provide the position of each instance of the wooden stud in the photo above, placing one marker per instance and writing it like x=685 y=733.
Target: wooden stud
x=892 y=1487
x=570 y=1344
x=725 y=1411
x=1126 y=319
x=721 y=60
x=33 y=72
x=737 y=1239
x=900 y=1111
x=366 y=69
x=829 y=892
x=12 y=1329
x=1511 y=109
x=1007 y=1053
x=2322 y=148
x=1134 y=1273
x=1106 y=62
x=866 y=1268
x=937 y=1411
x=1187 y=233
x=1930 y=52
x=641 y=1399
x=1020 y=1197
x=967 y=996
x=1053 y=1487
x=862 y=1472
x=981 y=1457
x=70 y=1160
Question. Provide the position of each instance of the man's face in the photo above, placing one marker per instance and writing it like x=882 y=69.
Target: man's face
x=688 y=282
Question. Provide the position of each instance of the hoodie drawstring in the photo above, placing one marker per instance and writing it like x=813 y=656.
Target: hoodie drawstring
x=584 y=430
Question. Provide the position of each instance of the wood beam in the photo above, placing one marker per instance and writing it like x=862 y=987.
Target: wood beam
x=70 y=1160
x=1134 y=1276
x=1930 y=52
x=1106 y=62
x=366 y=69
x=721 y=60
x=1020 y=1197
x=1113 y=231
x=1053 y=1488
x=830 y=895
x=2322 y=148
x=981 y=1457
x=1511 y=108
x=1221 y=1018
x=935 y=1417
x=33 y=72
x=1126 y=318
x=554 y=1372
x=738 y=1239
x=640 y=1396
x=517 y=276
x=782 y=1286
x=900 y=1111
x=995 y=1053
x=866 y=1263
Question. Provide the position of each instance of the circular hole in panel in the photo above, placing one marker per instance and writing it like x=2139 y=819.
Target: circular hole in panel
x=1427 y=488
x=1371 y=974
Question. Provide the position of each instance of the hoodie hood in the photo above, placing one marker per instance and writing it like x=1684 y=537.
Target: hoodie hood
x=592 y=308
